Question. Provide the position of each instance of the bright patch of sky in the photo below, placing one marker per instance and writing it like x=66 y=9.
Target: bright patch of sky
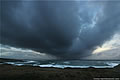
x=109 y=50
x=109 y=45
x=20 y=53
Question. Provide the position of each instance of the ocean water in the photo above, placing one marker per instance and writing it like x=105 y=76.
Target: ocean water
x=67 y=63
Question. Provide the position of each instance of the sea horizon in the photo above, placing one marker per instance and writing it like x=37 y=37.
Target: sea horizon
x=63 y=63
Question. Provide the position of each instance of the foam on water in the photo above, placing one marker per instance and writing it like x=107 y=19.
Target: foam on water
x=69 y=66
x=66 y=64
x=19 y=64
x=112 y=64
x=30 y=61
x=10 y=63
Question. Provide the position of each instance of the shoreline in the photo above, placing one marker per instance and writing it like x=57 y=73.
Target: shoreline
x=10 y=72
x=26 y=72
x=64 y=64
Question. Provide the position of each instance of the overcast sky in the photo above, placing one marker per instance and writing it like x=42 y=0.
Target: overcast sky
x=53 y=29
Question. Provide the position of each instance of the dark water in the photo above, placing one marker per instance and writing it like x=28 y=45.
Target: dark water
x=67 y=63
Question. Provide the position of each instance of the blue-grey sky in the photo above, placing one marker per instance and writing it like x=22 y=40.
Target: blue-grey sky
x=52 y=29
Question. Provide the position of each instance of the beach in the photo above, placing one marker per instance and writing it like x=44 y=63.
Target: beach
x=12 y=72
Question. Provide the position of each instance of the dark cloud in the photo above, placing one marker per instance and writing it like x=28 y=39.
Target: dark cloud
x=67 y=29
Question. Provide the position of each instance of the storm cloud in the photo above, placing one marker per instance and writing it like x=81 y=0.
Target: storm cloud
x=65 y=29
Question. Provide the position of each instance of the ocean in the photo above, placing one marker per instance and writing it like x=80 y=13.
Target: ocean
x=67 y=63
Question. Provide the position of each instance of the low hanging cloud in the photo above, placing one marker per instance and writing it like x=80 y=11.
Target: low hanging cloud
x=109 y=50
x=19 y=53
x=65 y=29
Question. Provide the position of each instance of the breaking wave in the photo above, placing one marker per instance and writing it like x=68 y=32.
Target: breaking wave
x=67 y=64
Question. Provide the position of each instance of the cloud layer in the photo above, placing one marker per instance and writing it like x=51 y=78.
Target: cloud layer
x=66 y=29
x=109 y=50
